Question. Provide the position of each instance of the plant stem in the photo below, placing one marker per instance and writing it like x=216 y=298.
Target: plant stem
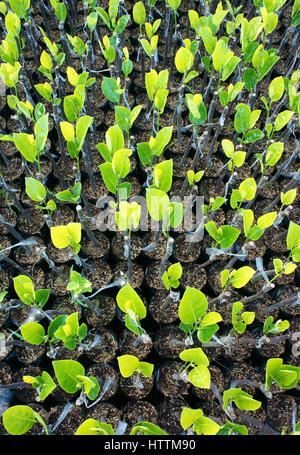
x=201 y=141
x=168 y=253
x=85 y=225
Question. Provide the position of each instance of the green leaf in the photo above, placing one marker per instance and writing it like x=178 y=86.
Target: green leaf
x=25 y=143
x=242 y=118
x=183 y=60
x=229 y=236
x=293 y=236
x=110 y=89
x=109 y=177
x=274 y=153
x=24 y=288
x=146 y=428
x=35 y=189
x=18 y=419
x=189 y=416
x=266 y=220
x=128 y=298
x=162 y=175
x=242 y=276
x=248 y=188
x=195 y=356
x=200 y=377
x=92 y=427
x=33 y=332
x=66 y=372
x=282 y=119
x=121 y=162
x=193 y=306
x=253 y=136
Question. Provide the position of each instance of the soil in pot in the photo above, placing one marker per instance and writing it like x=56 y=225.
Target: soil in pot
x=106 y=310
x=59 y=352
x=183 y=251
x=90 y=250
x=63 y=215
x=102 y=345
x=193 y=275
x=22 y=257
x=160 y=247
x=285 y=292
x=29 y=355
x=169 y=412
x=35 y=225
x=164 y=309
x=26 y=393
x=240 y=371
x=70 y=423
x=280 y=412
x=152 y=276
x=136 y=386
x=171 y=380
x=271 y=350
x=10 y=217
x=118 y=246
x=275 y=239
x=132 y=344
x=121 y=268
x=169 y=341
x=102 y=275
x=59 y=255
x=108 y=378
x=56 y=283
x=139 y=411
x=105 y=412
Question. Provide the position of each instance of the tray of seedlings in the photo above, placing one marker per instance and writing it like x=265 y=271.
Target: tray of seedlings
x=150 y=217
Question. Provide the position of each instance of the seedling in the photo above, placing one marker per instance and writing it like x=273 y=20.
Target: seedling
x=24 y=288
x=78 y=284
x=44 y=384
x=237 y=158
x=194 y=317
x=244 y=122
x=237 y=278
x=71 y=377
x=287 y=198
x=197 y=362
x=72 y=196
x=240 y=319
x=126 y=118
x=171 y=276
x=128 y=218
x=224 y=236
x=75 y=136
x=111 y=88
x=271 y=157
x=241 y=399
x=63 y=328
x=277 y=327
x=37 y=192
x=285 y=376
x=130 y=364
x=246 y=192
x=199 y=424
x=63 y=236
x=131 y=304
